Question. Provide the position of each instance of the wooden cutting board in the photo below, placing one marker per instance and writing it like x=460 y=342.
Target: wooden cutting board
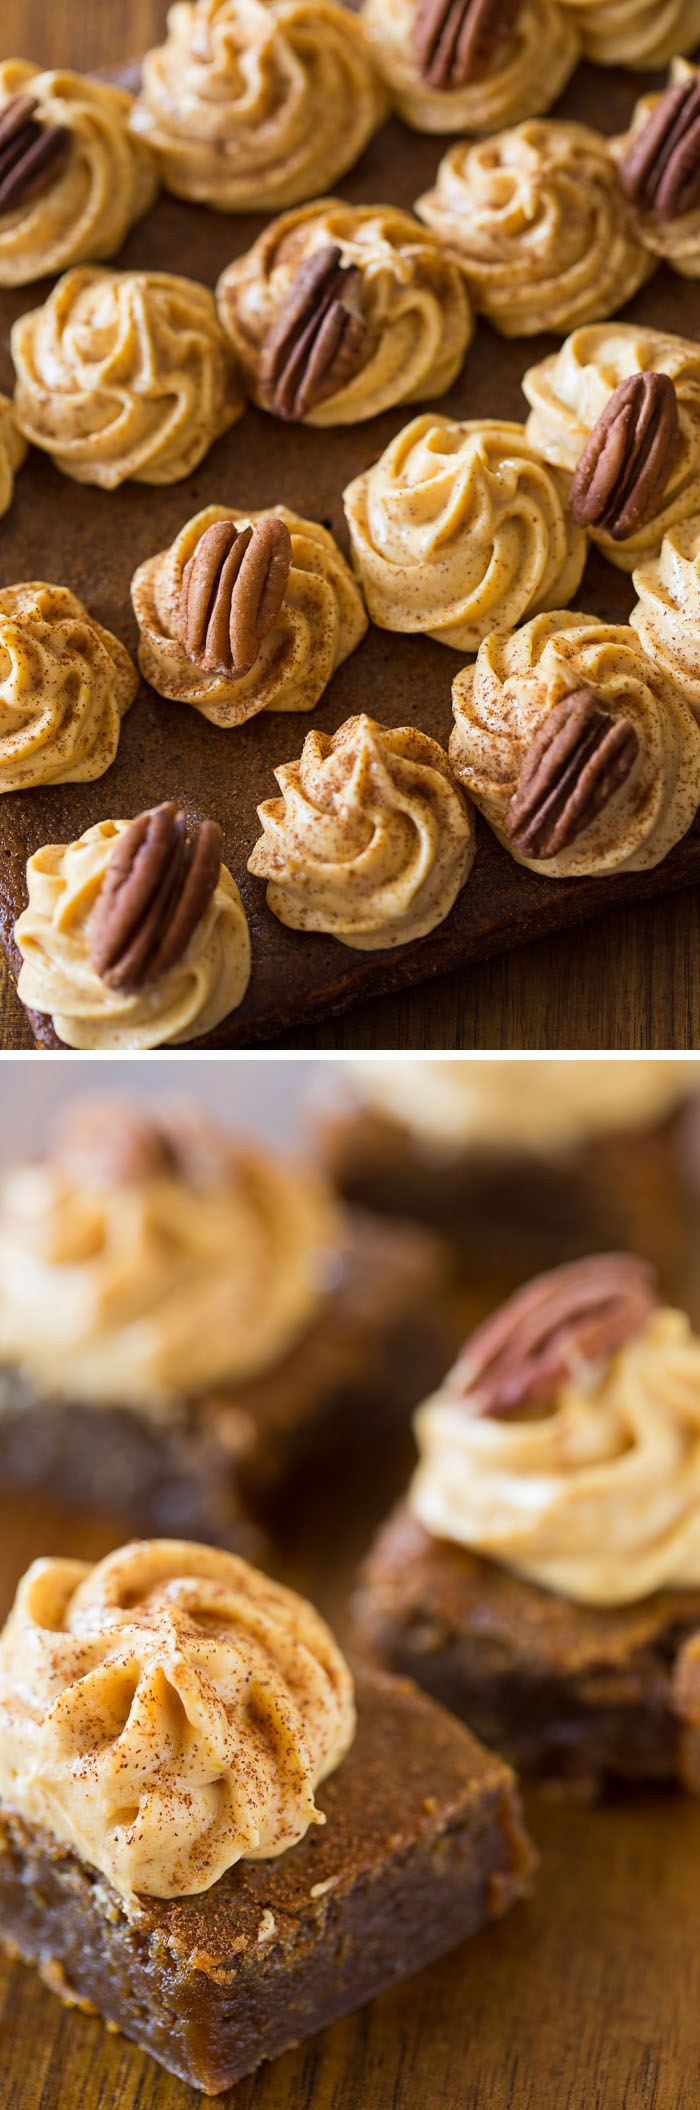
x=585 y=1998
x=92 y=541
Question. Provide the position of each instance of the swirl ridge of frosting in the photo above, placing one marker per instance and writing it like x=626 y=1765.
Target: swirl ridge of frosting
x=168 y=1712
x=124 y=374
x=639 y=33
x=13 y=449
x=321 y=620
x=65 y=685
x=531 y=70
x=371 y=839
x=414 y=304
x=500 y=702
x=666 y=615
x=597 y=1496
x=568 y=390
x=143 y=1290
x=459 y=528
x=57 y=978
x=537 y=222
x=250 y=107
x=109 y=179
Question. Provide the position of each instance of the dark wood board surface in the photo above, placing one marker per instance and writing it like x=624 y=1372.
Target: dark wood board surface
x=92 y=540
x=585 y=1998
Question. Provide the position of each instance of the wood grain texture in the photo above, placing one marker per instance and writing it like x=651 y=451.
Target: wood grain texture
x=628 y=980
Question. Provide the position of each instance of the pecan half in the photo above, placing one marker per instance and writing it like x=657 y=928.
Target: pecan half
x=578 y=759
x=576 y=1315
x=317 y=339
x=456 y=41
x=107 y=1140
x=31 y=155
x=157 y=885
x=232 y=590
x=661 y=168
x=628 y=456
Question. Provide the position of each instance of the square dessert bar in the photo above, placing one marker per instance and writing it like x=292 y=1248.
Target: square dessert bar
x=379 y=1342
x=577 y=1693
x=423 y=1845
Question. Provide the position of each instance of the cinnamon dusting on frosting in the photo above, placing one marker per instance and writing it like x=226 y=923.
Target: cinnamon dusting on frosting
x=167 y=1713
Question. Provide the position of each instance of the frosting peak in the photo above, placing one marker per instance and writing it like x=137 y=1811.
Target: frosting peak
x=147 y=1273
x=595 y=1493
x=371 y=839
x=168 y=1713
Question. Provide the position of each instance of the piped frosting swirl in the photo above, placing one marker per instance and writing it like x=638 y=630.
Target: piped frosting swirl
x=530 y=70
x=65 y=685
x=638 y=33
x=518 y=680
x=147 y=1259
x=460 y=528
x=107 y=181
x=666 y=615
x=124 y=374
x=370 y=841
x=570 y=388
x=414 y=305
x=249 y=108
x=168 y=1713
x=320 y=621
x=539 y=226
x=53 y=936
x=591 y=1486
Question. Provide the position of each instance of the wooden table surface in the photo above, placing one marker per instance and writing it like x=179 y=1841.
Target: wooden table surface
x=629 y=979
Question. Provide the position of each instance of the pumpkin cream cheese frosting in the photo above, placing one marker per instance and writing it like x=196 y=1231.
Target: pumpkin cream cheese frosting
x=250 y=107
x=134 y=935
x=72 y=178
x=462 y=528
x=639 y=33
x=65 y=685
x=168 y=1713
x=619 y=406
x=565 y=1442
x=140 y=1268
x=338 y=311
x=472 y=69
x=13 y=450
x=371 y=840
x=542 y=1107
x=666 y=614
x=579 y=750
x=537 y=222
x=246 y=612
x=659 y=170
x=124 y=374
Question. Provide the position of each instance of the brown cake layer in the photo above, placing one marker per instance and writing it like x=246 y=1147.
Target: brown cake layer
x=92 y=541
x=512 y=1213
x=423 y=1845
x=571 y=1692
x=382 y=1340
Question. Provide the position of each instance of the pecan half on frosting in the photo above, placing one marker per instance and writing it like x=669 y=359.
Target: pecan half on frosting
x=456 y=41
x=233 y=587
x=628 y=456
x=31 y=155
x=578 y=759
x=576 y=1315
x=661 y=169
x=109 y=1141
x=157 y=886
x=317 y=340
